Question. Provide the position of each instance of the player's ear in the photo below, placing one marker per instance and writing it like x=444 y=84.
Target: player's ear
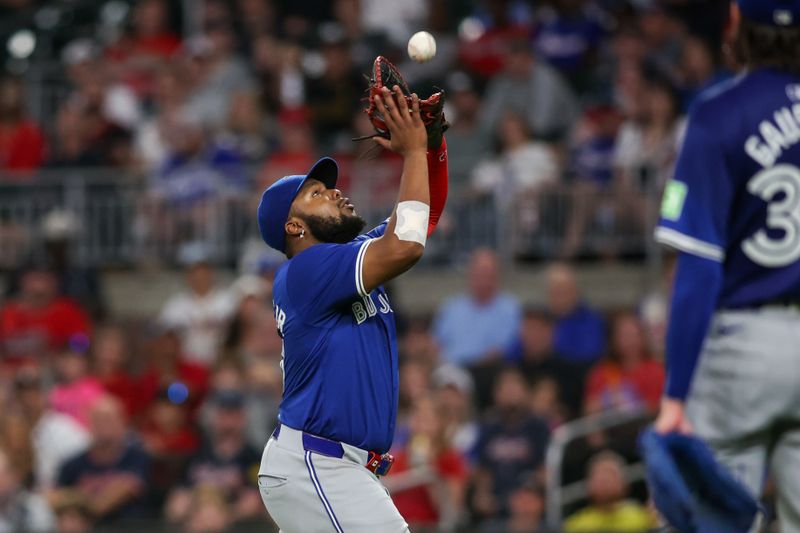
x=294 y=227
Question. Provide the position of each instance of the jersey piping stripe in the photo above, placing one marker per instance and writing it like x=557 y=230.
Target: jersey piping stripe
x=689 y=244
x=318 y=487
x=359 y=266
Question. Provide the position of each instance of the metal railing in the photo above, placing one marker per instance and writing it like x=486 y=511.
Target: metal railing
x=123 y=219
x=560 y=496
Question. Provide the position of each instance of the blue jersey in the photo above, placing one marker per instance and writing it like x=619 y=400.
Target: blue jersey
x=339 y=346
x=735 y=197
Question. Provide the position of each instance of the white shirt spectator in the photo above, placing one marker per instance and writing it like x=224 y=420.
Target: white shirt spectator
x=525 y=168
x=27 y=512
x=56 y=437
x=201 y=321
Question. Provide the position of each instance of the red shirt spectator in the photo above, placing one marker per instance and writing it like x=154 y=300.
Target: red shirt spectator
x=39 y=320
x=21 y=146
x=629 y=376
x=428 y=478
x=21 y=140
x=110 y=360
x=167 y=367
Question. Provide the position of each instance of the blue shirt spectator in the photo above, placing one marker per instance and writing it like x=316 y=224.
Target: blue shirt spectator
x=580 y=332
x=197 y=168
x=481 y=325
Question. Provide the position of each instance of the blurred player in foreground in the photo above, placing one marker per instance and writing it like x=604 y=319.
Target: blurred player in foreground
x=733 y=212
x=337 y=418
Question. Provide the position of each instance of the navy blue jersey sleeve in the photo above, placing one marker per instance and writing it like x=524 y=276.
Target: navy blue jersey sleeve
x=697 y=200
x=375 y=232
x=326 y=276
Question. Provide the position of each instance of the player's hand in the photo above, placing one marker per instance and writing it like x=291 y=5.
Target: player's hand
x=672 y=417
x=405 y=125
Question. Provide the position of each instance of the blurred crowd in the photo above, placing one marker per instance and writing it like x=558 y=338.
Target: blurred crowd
x=580 y=98
x=109 y=422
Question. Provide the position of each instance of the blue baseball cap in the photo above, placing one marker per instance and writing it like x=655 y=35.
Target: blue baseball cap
x=782 y=13
x=277 y=200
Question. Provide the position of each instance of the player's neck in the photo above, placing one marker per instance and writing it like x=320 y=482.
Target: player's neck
x=299 y=244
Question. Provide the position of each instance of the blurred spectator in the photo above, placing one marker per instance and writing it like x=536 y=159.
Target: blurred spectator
x=21 y=141
x=580 y=335
x=169 y=438
x=167 y=365
x=608 y=510
x=698 y=70
x=454 y=389
x=511 y=446
x=546 y=402
x=335 y=92
x=526 y=511
x=486 y=35
x=568 y=35
x=395 y=21
x=296 y=150
x=592 y=200
x=200 y=314
x=245 y=131
x=476 y=329
x=100 y=109
x=196 y=168
x=467 y=143
x=141 y=52
x=111 y=360
x=152 y=138
x=663 y=36
x=251 y=335
x=39 y=321
x=21 y=510
x=261 y=389
x=533 y=91
x=523 y=166
x=516 y=177
x=428 y=481
x=61 y=231
x=537 y=358
x=75 y=392
x=415 y=382
x=645 y=152
x=216 y=74
x=209 y=511
x=478 y=326
x=629 y=376
x=73 y=516
x=225 y=462
x=54 y=437
x=111 y=478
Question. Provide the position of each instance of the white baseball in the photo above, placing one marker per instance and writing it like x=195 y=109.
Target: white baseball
x=421 y=47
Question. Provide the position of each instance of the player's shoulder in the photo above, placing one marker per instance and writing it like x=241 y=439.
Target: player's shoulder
x=714 y=104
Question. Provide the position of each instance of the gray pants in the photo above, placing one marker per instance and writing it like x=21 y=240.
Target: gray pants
x=745 y=401
x=306 y=492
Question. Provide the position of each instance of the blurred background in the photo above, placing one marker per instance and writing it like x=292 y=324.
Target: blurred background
x=140 y=376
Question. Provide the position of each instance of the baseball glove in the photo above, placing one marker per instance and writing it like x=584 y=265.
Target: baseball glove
x=385 y=74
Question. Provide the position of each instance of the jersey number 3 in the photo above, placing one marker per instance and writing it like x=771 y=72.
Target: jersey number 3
x=783 y=215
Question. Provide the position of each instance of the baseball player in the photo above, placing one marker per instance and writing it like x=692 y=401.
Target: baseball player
x=337 y=418
x=733 y=213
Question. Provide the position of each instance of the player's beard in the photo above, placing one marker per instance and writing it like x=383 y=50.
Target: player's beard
x=338 y=230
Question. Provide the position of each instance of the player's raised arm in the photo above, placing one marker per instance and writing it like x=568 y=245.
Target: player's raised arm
x=403 y=243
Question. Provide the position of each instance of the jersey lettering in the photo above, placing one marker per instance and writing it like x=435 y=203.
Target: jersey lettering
x=783 y=214
x=385 y=307
x=280 y=319
x=775 y=137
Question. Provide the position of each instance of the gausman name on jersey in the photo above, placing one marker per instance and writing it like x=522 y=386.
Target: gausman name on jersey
x=774 y=136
